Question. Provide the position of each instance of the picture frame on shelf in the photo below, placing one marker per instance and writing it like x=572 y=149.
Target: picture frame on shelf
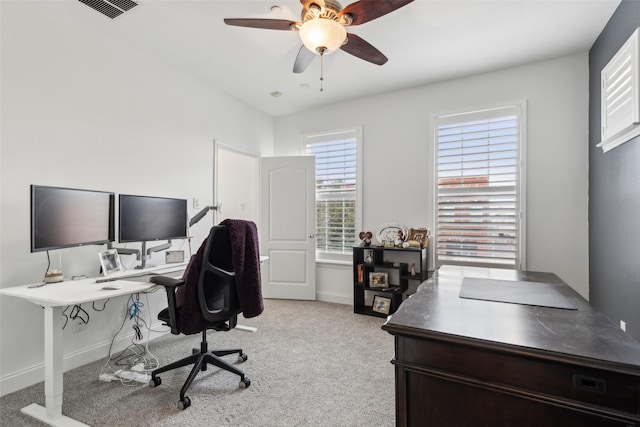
x=378 y=279
x=381 y=304
x=420 y=235
x=368 y=256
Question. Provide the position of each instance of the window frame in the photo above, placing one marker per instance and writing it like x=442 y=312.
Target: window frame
x=620 y=95
x=345 y=257
x=520 y=108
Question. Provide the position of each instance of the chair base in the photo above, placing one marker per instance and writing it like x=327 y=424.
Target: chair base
x=200 y=359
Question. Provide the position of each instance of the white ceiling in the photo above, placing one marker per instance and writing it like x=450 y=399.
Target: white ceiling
x=425 y=41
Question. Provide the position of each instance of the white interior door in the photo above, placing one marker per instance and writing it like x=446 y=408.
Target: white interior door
x=288 y=223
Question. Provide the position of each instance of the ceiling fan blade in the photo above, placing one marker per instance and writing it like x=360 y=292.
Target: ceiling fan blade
x=367 y=10
x=304 y=58
x=360 y=48
x=307 y=3
x=267 y=24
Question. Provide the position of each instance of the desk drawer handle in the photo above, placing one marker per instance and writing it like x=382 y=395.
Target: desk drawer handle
x=589 y=383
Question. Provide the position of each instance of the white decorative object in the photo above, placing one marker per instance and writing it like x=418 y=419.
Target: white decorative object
x=620 y=95
x=393 y=232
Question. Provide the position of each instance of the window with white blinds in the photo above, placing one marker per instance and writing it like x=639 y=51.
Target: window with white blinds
x=620 y=95
x=478 y=164
x=337 y=162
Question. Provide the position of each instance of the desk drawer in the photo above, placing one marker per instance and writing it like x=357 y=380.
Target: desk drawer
x=526 y=371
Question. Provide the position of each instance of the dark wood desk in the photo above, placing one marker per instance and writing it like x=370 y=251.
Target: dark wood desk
x=468 y=362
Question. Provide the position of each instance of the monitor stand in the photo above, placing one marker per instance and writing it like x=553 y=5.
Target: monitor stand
x=125 y=251
x=146 y=253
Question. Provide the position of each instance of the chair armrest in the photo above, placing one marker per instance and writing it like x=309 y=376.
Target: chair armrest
x=166 y=281
x=170 y=284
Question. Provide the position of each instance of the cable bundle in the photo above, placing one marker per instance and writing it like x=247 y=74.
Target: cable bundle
x=136 y=358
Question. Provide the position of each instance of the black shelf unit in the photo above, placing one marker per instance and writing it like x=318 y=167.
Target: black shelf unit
x=397 y=263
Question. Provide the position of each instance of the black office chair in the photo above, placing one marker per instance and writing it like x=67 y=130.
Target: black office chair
x=214 y=293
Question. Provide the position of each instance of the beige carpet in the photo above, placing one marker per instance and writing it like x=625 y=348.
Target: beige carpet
x=310 y=364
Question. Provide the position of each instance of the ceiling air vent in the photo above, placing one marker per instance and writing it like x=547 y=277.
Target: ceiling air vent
x=110 y=8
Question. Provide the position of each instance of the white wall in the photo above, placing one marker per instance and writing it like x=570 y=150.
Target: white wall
x=398 y=156
x=237 y=184
x=82 y=110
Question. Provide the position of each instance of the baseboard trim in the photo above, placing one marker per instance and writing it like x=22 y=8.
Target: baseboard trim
x=35 y=374
x=334 y=297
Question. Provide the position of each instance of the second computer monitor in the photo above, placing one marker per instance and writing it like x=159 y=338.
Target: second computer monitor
x=145 y=218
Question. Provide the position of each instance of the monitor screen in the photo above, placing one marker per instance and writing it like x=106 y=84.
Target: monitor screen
x=144 y=218
x=66 y=217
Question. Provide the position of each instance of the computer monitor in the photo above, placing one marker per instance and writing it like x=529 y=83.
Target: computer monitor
x=68 y=217
x=145 y=218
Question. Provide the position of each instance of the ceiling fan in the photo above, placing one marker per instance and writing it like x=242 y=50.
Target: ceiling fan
x=322 y=29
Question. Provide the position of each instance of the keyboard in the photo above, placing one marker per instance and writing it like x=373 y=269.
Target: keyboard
x=175 y=271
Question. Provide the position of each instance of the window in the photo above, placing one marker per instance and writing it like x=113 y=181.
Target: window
x=620 y=95
x=479 y=188
x=337 y=191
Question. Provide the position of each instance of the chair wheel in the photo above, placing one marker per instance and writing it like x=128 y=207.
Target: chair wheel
x=245 y=382
x=155 y=382
x=242 y=357
x=184 y=403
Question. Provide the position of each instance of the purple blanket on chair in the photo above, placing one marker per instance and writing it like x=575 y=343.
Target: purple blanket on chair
x=246 y=264
x=190 y=319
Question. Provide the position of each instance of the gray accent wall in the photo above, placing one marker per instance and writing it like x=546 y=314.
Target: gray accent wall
x=614 y=193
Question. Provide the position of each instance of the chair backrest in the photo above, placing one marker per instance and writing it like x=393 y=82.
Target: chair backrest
x=217 y=294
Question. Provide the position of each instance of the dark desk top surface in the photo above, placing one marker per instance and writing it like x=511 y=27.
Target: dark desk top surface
x=437 y=311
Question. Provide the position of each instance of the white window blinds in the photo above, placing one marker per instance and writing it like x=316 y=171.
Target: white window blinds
x=620 y=95
x=337 y=193
x=477 y=166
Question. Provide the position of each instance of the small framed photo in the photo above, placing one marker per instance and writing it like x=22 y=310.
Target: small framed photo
x=381 y=304
x=420 y=235
x=378 y=280
x=368 y=256
x=110 y=261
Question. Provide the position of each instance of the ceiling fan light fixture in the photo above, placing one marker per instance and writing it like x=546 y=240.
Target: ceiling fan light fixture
x=322 y=36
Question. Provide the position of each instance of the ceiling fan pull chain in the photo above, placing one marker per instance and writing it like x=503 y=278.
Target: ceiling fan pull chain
x=321 y=76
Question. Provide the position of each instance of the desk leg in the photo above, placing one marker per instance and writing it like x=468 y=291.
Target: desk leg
x=53 y=371
x=53 y=355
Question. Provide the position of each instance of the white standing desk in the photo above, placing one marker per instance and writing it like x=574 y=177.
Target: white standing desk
x=53 y=297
